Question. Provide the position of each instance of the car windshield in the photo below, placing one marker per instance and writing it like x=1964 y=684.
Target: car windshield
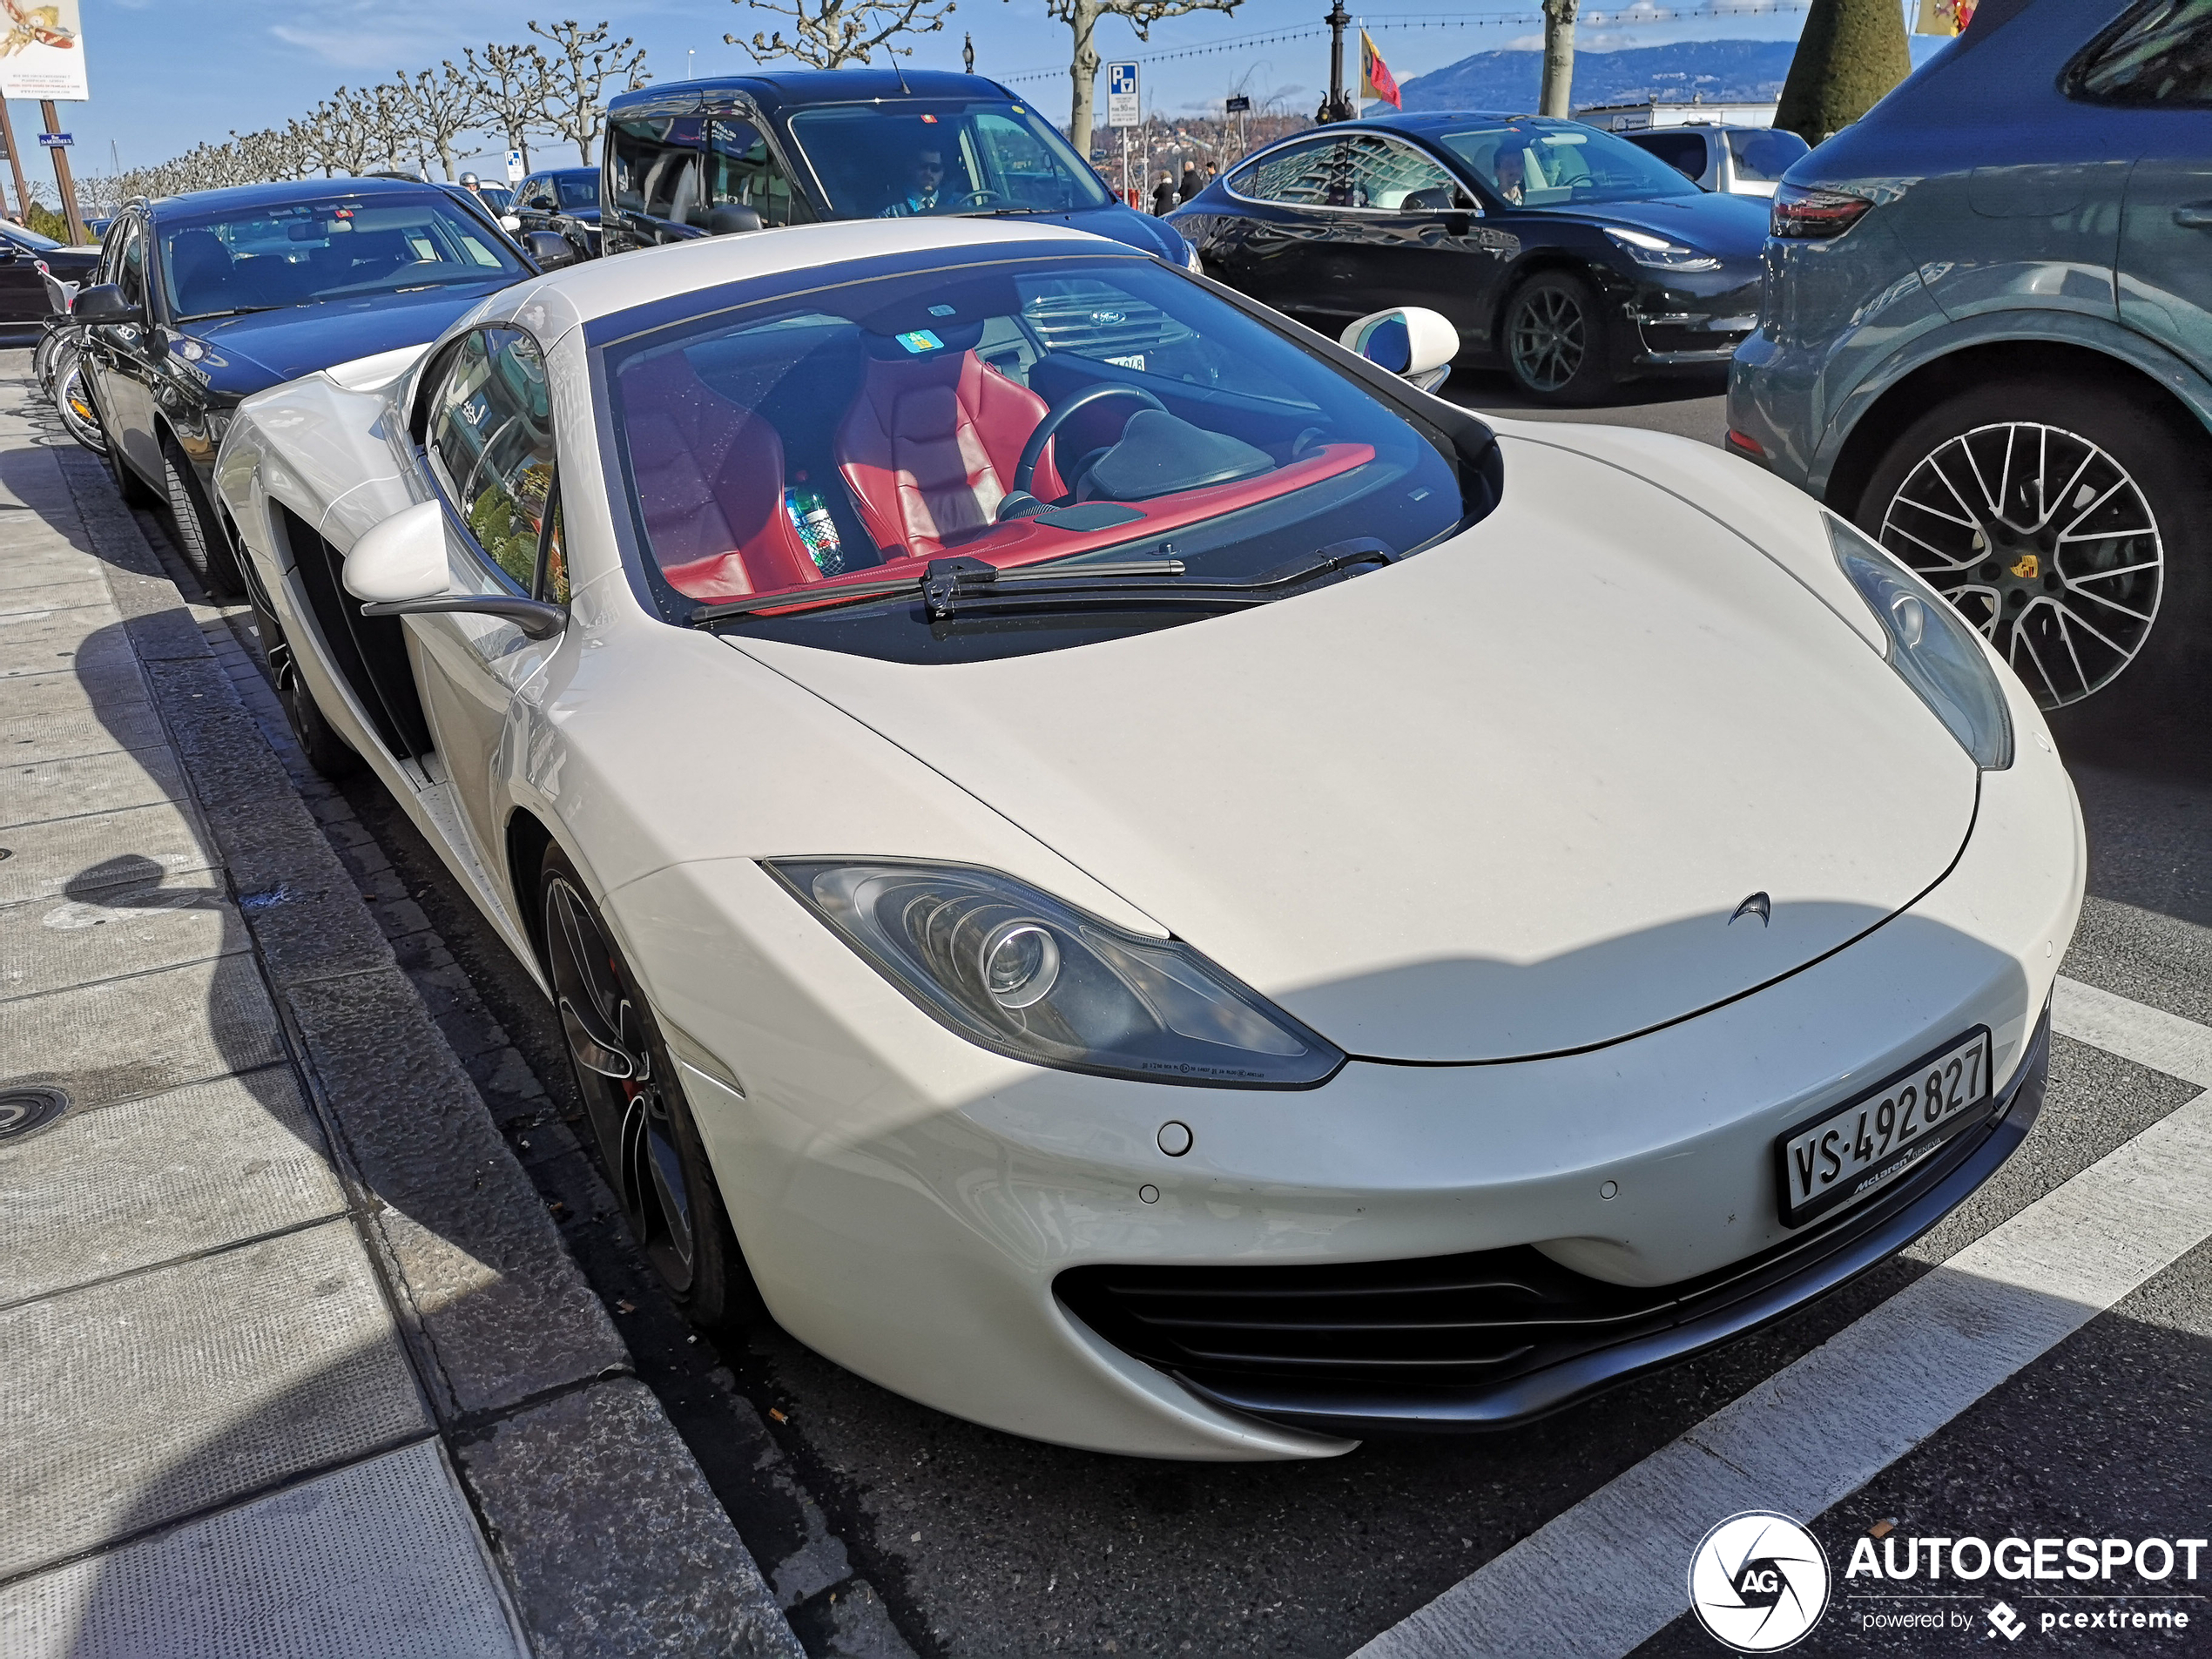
x=943 y=155
x=29 y=239
x=577 y=189
x=854 y=433
x=336 y=249
x=1538 y=163
x=1763 y=155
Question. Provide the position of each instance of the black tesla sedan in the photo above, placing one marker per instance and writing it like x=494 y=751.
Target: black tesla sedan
x=202 y=299
x=1574 y=260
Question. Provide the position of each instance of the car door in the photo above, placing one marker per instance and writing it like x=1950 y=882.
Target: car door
x=22 y=290
x=117 y=355
x=2154 y=75
x=1409 y=236
x=489 y=443
x=1683 y=149
x=743 y=169
x=1271 y=248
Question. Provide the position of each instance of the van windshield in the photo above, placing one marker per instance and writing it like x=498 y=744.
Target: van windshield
x=929 y=156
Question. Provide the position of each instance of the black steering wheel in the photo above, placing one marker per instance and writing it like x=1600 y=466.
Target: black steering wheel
x=1025 y=470
x=980 y=198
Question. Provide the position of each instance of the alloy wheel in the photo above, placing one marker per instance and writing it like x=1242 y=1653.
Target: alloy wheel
x=624 y=1090
x=2041 y=539
x=1550 y=337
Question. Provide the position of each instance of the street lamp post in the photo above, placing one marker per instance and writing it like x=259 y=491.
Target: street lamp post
x=1337 y=106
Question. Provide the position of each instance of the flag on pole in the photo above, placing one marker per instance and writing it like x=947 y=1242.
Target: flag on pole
x=1943 y=17
x=1377 y=81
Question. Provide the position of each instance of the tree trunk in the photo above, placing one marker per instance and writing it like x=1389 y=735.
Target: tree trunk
x=1558 y=57
x=1850 y=54
x=1084 y=20
x=445 y=160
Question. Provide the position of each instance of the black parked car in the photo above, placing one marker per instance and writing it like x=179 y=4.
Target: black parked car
x=1567 y=255
x=25 y=298
x=564 y=200
x=746 y=152
x=202 y=299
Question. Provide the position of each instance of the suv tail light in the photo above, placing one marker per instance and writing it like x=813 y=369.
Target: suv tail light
x=1802 y=213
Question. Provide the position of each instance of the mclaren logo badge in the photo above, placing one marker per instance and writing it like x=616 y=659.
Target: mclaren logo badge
x=1758 y=905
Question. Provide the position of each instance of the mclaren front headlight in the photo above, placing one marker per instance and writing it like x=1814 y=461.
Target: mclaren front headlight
x=1931 y=646
x=1023 y=974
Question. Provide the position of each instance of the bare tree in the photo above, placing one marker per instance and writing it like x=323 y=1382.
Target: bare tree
x=350 y=140
x=1559 y=57
x=1082 y=17
x=581 y=63
x=836 y=32
x=510 y=93
x=444 y=106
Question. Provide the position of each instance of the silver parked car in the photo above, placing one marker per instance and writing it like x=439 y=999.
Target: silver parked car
x=1736 y=161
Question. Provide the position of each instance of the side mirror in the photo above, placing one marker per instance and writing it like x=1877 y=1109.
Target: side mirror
x=1410 y=341
x=511 y=221
x=549 y=248
x=103 y=302
x=402 y=558
x=400 y=567
x=730 y=218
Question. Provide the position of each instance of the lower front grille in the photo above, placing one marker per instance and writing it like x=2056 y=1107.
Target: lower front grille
x=1494 y=1337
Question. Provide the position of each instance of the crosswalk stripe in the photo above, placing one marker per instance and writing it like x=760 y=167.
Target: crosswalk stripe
x=1606 y=1575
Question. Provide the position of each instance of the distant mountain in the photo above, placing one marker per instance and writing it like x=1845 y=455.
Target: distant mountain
x=1750 y=71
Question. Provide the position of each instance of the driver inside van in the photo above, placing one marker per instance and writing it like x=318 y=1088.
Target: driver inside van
x=924 y=177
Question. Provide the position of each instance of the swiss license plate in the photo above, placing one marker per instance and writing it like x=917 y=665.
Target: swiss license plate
x=1856 y=1150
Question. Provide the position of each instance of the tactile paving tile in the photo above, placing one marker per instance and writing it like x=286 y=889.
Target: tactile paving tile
x=139 y=1401
x=373 y=1562
x=103 y=1192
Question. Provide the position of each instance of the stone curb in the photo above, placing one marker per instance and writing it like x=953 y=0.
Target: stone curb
x=610 y=1541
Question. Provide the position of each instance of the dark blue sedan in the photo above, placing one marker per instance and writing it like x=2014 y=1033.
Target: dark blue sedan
x=202 y=299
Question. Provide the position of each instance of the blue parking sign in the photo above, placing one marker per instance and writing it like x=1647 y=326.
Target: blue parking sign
x=1123 y=107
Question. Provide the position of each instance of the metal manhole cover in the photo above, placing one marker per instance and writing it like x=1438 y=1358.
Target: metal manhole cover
x=24 y=1112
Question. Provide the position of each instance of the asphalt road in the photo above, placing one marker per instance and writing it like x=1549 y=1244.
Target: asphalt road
x=982 y=1544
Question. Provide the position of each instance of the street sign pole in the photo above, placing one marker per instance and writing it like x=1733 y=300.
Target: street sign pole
x=15 y=161
x=53 y=120
x=1124 y=109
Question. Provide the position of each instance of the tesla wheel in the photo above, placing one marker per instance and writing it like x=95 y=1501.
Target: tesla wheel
x=74 y=404
x=650 y=1145
x=206 y=545
x=1555 y=340
x=2068 y=523
x=327 y=751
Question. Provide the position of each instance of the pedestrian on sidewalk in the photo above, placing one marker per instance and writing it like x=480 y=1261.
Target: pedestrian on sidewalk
x=1191 y=182
x=1163 y=197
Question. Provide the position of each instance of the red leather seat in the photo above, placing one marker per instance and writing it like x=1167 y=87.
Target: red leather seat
x=929 y=449
x=710 y=478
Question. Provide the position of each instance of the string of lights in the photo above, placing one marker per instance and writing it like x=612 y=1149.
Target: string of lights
x=1376 y=22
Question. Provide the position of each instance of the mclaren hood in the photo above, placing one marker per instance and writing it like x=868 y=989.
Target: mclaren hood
x=1593 y=766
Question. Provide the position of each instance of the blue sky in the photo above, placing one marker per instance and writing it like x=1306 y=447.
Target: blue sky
x=164 y=77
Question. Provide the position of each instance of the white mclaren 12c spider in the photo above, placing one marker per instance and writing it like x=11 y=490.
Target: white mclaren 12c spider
x=1124 y=871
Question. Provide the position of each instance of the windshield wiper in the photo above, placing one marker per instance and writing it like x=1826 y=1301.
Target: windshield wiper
x=939 y=584
x=950 y=585
x=235 y=311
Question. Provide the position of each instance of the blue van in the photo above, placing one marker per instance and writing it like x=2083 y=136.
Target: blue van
x=744 y=153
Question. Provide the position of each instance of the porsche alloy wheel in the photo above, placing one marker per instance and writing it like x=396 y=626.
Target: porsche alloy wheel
x=648 y=1143
x=2064 y=520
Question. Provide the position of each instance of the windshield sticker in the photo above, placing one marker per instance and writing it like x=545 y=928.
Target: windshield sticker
x=920 y=341
x=940 y=310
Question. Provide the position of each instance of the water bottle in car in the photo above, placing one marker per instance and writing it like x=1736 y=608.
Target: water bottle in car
x=810 y=516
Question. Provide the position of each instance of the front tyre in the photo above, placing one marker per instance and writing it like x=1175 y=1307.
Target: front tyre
x=650 y=1146
x=328 y=752
x=2070 y=522
x=1554 y=340
x=204 y=544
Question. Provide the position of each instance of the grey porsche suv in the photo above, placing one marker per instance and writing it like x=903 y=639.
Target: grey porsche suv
x=1985 y=335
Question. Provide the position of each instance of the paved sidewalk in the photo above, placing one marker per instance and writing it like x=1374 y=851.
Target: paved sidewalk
x=299 y=1363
